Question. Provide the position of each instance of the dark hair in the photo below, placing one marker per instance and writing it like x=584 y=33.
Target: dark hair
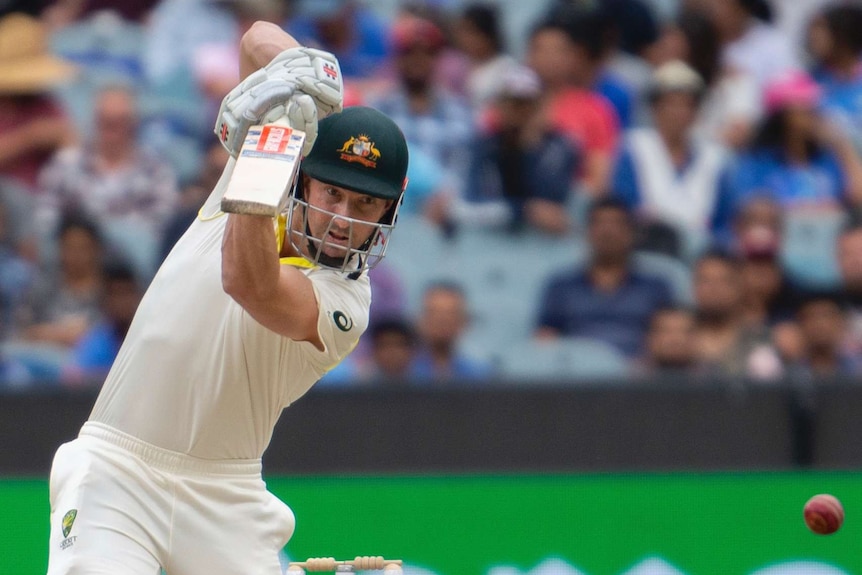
x=398 y=325
x=75 y=220
x=704 y=45
x=445 y=285
x=772 y=135
x=609 y=203
x=821 y=296
x=485 y=18
x=760 y=9
x=844 y=23
x=720 y=255
x=632 y=24
x=587 y=28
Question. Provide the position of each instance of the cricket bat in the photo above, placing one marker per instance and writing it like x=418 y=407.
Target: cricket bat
x=265 y=170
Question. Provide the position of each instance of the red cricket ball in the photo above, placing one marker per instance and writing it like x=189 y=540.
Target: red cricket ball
x=823 y=514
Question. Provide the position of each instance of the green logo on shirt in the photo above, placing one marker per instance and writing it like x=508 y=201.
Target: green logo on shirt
x=342 y=322
x=68 y=521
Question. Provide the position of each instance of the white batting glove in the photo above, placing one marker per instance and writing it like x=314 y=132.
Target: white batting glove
x=301 y=84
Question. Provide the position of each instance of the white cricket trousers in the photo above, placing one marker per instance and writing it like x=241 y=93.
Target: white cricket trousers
x=120 y=506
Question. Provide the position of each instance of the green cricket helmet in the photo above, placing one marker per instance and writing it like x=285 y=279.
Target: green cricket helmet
x=362 y=150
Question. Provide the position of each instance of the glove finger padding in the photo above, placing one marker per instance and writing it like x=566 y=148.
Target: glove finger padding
x=301 y=114
x=275 y=90
x=317 y=74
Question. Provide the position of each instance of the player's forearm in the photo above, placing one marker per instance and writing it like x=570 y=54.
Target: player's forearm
x=260 y=44
x=250 y=266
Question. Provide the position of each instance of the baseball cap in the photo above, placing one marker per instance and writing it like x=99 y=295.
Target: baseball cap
x=360 y=149
x=792 y=89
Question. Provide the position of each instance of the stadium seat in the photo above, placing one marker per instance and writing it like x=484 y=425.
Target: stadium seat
x=564 y=359
x=503 y=276
x=672 y=270
x=43 y=361
x=415 y=253
x=808 y=251
x=134 y=244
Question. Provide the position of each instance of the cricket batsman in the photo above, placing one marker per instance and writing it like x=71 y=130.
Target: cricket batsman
x=243 y=317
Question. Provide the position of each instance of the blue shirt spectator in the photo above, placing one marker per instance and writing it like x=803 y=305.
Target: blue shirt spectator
x=607 y=299
x=574 y=305
x=663 y=173
x=712 y=209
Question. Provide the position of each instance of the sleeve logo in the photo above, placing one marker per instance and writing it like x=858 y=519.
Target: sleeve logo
x=342 y=321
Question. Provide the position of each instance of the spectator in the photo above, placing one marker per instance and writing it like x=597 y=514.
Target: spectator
x=95 y=352
x=519 y=173
x=663 y=173
x=797 y=157
x=479 y=37
x=111 y=179
x=750 y=43
x=64 y=302
x=770 y=296
x=393 y=349
x=32 y=125
x=609 y=298
x=724 y=344
x=433 y=120
x=670 y=348
x=823 y=327
x=565 y=53
x=835 y=45
x=444 y=319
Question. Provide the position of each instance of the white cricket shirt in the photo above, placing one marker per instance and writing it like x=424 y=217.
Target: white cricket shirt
x=198 y=375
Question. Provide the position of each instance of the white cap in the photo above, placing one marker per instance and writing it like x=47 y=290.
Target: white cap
x=675 y=76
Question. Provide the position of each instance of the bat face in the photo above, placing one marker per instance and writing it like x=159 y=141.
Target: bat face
x=265 y=171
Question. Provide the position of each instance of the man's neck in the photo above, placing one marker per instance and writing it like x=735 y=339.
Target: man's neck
x=677 y=148
x=113 y=157
x=825 y=359
x=844 y=66
x=608 y=275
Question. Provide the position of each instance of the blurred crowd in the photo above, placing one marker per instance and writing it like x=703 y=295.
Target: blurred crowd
x=597 y=189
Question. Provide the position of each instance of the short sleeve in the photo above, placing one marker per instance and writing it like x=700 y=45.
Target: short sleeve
x=343 y=315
